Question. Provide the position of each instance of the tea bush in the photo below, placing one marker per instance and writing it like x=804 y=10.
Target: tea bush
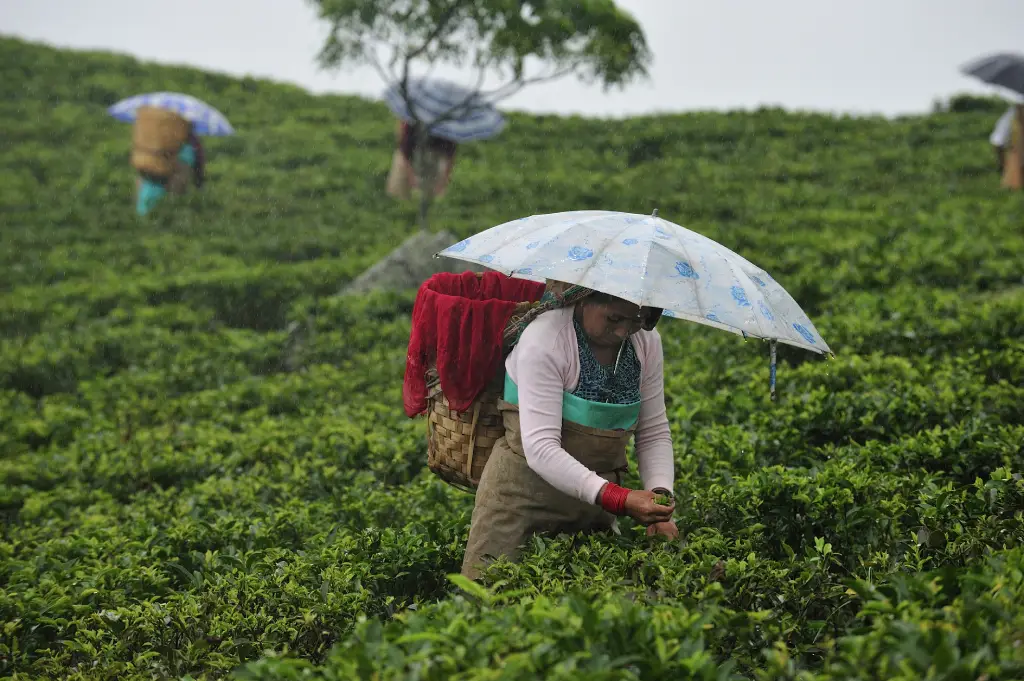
x=205 y=471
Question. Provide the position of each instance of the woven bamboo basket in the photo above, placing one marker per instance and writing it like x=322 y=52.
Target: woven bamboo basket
x=459 y=443
x=156 y=139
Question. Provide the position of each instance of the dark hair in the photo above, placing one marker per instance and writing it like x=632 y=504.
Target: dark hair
x=598 y=298
x=653 y=314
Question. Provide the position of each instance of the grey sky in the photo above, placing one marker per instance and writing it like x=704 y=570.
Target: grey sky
x=871 y=56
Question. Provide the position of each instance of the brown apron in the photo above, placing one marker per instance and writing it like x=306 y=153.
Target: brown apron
x=513 y=502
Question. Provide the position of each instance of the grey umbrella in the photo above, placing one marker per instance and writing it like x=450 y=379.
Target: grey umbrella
x=1005 y=69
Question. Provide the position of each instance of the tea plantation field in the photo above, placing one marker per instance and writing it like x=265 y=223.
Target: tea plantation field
x=205 y=471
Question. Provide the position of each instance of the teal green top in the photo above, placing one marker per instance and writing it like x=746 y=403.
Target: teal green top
x=606 y=397
x=575 y=409
x=151 y=192
x=617 y=384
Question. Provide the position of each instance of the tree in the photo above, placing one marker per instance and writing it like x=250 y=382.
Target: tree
x=520 y=41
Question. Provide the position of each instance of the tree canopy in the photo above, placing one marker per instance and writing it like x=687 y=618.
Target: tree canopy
x=523 y=41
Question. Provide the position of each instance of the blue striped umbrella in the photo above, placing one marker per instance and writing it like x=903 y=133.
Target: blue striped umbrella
x=470 y=117
x=204 y=118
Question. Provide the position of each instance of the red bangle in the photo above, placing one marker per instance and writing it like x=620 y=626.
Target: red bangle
x=613 y=498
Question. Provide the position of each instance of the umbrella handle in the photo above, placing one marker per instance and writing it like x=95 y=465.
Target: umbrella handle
x=771 y=370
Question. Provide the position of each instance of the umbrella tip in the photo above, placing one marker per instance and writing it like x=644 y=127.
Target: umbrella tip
x=655 y=213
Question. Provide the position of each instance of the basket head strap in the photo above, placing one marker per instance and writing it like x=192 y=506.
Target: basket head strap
x=557 y=294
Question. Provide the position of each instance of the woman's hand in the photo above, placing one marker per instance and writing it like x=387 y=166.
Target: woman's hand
x=641 y=507
x=666 y=529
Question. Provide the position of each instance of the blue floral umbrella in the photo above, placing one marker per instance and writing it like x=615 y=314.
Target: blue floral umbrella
x=650 y=262
x=205 y=119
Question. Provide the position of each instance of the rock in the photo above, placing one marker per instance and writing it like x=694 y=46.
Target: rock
x=409 y=265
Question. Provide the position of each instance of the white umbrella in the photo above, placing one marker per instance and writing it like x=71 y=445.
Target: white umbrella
x=647 y=261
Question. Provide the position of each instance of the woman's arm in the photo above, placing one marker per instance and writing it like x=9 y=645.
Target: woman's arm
x=542 y=368
x=654 y=454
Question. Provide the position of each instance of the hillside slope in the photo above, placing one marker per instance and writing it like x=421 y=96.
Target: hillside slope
x=186 y=486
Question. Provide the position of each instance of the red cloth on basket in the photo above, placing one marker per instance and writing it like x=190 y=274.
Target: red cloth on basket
x=457 y=324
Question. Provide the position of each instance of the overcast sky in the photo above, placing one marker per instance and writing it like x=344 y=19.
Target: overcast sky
x=870 y=56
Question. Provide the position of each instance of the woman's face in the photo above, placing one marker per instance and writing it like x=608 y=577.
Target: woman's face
x=608 y=324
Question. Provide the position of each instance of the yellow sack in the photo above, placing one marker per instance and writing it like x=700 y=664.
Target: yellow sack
x=156 y=140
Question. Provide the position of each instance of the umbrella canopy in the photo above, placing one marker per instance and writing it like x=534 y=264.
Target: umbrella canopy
x=647 y=261
x=449 y=111
x=205 y=119
x=1005 y=69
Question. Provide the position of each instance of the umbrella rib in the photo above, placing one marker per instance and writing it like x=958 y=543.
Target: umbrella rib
x=593 y=261
x=700 y=308
x=647 y=259
x=733 y=269
x=579 y=222
x=693 y=282
x=753 y=312
x=648 y=256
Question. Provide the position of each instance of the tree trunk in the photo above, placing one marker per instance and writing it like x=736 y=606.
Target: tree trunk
x=423 y=163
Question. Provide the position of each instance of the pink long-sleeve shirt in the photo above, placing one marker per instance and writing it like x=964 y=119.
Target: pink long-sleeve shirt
x=544 y=365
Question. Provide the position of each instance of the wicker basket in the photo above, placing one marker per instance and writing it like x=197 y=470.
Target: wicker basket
x=156 y=139
x=459 y=443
